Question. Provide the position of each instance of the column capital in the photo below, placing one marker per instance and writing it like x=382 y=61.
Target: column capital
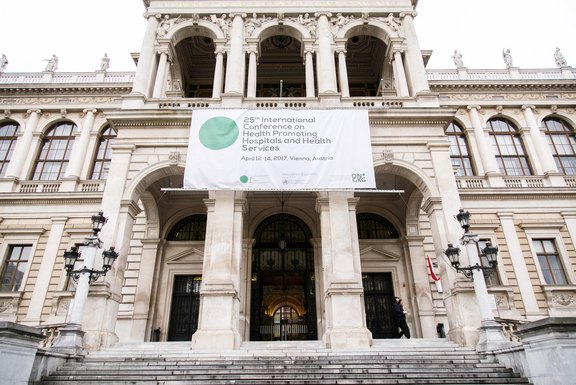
x=234 y=14
x=412 y=14
x=90 y=110
x=341 y=51
x=323 y=13
x=473 y=107
x=34 y=111
x=528 y=107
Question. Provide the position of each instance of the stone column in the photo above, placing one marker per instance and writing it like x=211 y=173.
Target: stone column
x=49 y=258
x=421 y=298
x=414 y=62
x=23 y=147
x=235 y=64
x=252 y=75
x=342 y=276
x=519 y=264
x=400 y=75
x=218 y=74
x=484 y=148
x=80 y=149
x=161 y=74
x=325 y=57
x=220 y=329
x=539 y=141
x=141 y=315
x=100 y=317
x=343 y=74
x=144 y=71
x=309 y=61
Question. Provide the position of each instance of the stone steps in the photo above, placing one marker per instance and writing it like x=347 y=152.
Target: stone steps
x=386 y=362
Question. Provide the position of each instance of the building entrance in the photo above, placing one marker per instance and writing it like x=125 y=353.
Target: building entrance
x=283 y=292
x=185 y=307
x=378 y=300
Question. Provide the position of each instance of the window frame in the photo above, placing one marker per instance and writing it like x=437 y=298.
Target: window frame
x=567 y=132
x=553 y=234
x=461 y=141
x=108 y=139
x=516 y=143
x=43 y=159
x=5 y=162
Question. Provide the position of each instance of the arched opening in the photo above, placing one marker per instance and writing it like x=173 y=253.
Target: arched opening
x=197 y=61
x=281 y=71
x=283 y=296
x=368 y=73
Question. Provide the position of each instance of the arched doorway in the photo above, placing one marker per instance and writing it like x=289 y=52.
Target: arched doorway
x=283 y=305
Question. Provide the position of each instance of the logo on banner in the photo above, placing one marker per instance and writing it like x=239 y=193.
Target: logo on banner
x=218 y=133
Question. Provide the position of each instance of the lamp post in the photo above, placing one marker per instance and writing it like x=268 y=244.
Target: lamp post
x=71 y=335
x=491 y=336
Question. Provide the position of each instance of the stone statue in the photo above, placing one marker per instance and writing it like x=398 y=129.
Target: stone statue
x=52 y=64
x=165 y=25
x=339 y=22
x=3 y=63
x=457 y=57
x=391 y=21
x=308 y=23
x=105 y=63
x=222 y=22
x=507 y=57
x=560 y=61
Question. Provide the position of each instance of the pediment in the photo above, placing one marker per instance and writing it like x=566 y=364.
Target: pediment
x=373 y=253
x=186 y=256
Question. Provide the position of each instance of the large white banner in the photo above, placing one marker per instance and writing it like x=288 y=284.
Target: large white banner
x=279 y=150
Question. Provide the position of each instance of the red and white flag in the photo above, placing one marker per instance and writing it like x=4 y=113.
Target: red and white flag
x=431 y=269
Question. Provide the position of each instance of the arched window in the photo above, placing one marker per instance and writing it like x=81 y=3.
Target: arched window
x=373 y=226
x=459 y=154
x=7 y=143
x=192 y=228
x=562 y=142
x=102 y=160
x=508 y=148
x=55 y=152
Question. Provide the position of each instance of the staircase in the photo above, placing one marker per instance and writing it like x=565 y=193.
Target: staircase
x=415 y=361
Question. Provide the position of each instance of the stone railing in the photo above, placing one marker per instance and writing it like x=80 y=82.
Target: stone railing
x=509 y=328
x=504 y=74
x=66 y=77
x=50 y=333
x=56 y=186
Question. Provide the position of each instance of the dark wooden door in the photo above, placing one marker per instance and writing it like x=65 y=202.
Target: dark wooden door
x=185 y=307
x=378 y=299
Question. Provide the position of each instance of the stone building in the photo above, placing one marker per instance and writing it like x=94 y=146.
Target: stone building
x=221 y=266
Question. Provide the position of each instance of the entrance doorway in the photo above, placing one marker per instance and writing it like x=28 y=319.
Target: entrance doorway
x=378 y=300
x=283 y=292
x=185 y=307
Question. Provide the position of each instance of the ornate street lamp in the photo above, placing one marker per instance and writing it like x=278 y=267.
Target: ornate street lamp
x=491 y=337
x=71 y=335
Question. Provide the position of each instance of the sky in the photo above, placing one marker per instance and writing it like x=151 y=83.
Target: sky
x=81 y=32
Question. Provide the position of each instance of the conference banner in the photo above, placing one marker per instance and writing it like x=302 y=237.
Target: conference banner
x=240 y=149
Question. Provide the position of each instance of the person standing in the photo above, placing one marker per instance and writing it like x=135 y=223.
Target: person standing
x=400 y=318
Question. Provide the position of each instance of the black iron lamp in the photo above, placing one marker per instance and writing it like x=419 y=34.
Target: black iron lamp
x=98 y=221
x=108 y=256
x=491 y=254
x=70 y=258
x=464 y=218
x=453 y=254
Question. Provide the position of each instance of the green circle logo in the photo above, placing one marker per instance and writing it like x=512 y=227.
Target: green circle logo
x=243 y=179
x=218 y=133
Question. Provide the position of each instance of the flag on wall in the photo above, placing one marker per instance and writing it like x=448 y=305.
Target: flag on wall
x=435 y=277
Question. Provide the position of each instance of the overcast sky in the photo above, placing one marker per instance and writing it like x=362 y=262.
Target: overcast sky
x=80 y=32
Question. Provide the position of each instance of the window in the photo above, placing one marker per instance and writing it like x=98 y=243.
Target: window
x=562 y=142
x=549 y=261
x=373 y=226
x=192 y=228
x=508 y=148
x=493 y=279
x=103 y=154
x=459 y=154
x=15 y=267
x=55 y=153
x=7 y=143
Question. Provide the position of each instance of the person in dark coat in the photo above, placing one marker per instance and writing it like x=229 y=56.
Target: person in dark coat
x=400 y=318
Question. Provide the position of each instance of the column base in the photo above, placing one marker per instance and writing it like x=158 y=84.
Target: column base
x=215 y=340
x=491 y=337
x=70 y=340
x=360 y=338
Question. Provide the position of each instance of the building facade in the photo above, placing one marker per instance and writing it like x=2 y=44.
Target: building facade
x=219 y=267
